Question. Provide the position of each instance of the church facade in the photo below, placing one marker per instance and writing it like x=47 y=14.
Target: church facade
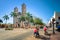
x=19 y=14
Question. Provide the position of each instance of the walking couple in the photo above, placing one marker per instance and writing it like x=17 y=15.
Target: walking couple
x=36 y=31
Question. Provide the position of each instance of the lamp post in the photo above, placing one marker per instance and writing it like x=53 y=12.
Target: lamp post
x=50 y=23
x=53 y=25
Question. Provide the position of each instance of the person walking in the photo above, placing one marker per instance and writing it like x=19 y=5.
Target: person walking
x=36 y=32
x=45 y=30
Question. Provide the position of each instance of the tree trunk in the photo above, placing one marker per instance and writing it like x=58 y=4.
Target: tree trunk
x=6 y=24
x=28 y=24
x=22 y=24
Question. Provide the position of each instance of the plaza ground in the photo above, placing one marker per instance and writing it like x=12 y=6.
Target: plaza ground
x=43 y=37
x=25 y=34
x=11 y=34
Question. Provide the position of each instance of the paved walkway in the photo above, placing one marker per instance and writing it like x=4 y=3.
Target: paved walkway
x=42 y=36
x=26 y=34
x=16 y=34
x=55 y=36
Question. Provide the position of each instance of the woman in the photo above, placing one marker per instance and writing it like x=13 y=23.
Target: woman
x=36 y=31
x=45 y=29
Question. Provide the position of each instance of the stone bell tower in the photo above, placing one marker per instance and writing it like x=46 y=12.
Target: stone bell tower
x=15 y=18
x=23 y=9
x=16 y=10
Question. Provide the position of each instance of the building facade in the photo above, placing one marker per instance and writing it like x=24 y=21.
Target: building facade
x=16 y=20
x=56 y=16
x=23 y=9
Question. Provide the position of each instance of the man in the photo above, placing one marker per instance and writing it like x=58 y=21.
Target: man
x=36 y=32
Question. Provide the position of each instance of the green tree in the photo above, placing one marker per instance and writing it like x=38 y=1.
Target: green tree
x=29 y=18
x=6 y=17
x=22 y=19
x=38 y=21
x=13 y=14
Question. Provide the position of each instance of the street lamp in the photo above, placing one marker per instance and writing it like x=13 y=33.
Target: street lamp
x=50 y=23
x=53 y=25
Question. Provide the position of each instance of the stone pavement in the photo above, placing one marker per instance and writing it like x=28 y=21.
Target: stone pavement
x=55 y=36
x=26 y=34
x=5 y=34
x=42 y=36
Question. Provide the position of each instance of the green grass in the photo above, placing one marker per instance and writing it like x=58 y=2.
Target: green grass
x=8 y=28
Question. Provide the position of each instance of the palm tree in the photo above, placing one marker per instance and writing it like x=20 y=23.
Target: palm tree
x=6 y=17
x=29 y=18
x=13 y=14
x=22 y=19
x=25 y=18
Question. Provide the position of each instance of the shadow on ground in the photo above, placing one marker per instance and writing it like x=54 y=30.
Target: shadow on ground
x=44 y=37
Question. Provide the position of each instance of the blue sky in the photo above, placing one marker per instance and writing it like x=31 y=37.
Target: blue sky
x=43 y=9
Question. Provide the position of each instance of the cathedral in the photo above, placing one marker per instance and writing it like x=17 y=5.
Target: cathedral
x=19 y=14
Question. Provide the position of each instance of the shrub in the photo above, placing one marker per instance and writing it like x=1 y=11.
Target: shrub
x=41 y=27
x=0 y=25
x=3 y=25
x=9 y=27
